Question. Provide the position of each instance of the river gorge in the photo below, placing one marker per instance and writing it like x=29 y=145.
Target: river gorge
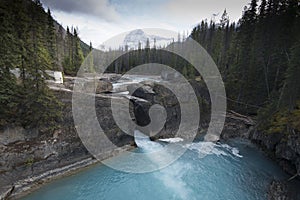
x=60 y=167
x=233 y=170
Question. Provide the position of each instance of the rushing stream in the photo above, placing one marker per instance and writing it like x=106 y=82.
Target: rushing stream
x=236 y=170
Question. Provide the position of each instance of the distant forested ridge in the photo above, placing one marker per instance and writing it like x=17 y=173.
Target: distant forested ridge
x=32 y=42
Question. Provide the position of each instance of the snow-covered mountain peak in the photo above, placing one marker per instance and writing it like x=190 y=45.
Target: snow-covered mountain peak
x=137 y=36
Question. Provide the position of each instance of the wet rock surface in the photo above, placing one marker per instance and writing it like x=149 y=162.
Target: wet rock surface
x=154 y=93
x=278 y=191
x=285 y=150
x=27 y=153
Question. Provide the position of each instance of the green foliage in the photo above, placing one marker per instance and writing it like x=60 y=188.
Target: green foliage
x=150 y=55
x=68 y=66
x=258 y=56
x=291 y=88
x=29 y=162
x=259 y=61
x=281 y=121
x=75 y=57
x=40 y=109
x=295 y=117
x=27 y=38
x=8 y=98
x=8 y=61
x=51 y=42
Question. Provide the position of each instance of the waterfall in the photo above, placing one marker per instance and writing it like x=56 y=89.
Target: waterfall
x=224 y=173
x=145 y=144
x=172 y=179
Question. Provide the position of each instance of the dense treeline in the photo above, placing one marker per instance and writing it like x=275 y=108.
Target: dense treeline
x=259 y=60
x=31 y=43
x=254 y=54
x=131 y=59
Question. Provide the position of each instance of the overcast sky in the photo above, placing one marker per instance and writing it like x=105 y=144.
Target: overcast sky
x=99 y=20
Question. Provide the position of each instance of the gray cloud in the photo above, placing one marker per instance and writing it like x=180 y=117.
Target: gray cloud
x=193 y=10
x=98 y=8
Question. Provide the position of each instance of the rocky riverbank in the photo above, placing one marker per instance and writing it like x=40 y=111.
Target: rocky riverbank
x=26 y=186
x=285 y=150
x=28 y=157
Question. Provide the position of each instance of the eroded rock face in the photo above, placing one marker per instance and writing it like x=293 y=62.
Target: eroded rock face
x=16 y=134
x=278 y=191
x=30 y=158
x=268 y=140
x=103 y=87
x=97 y=87
x=29 y=153
x=237 y=126
x=158 y=94
x=143 y=91
x=284 y=148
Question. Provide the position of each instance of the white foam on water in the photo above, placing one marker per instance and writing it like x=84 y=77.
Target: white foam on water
x=233 y=150
x=210 y=148
x=236 y=152
x=171 y=177
x=206 y=148
x=171 y=140
x=144 y=142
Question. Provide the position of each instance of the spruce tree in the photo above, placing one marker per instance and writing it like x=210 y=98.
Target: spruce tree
x=8 y=61
x=77 y=52
x=291 y=89
x=51 y=41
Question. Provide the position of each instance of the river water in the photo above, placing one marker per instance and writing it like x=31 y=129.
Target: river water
x=232 y=170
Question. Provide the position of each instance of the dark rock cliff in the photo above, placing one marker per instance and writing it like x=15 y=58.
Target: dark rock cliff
x=285 y=149
x=157 y=94
x=28 y=153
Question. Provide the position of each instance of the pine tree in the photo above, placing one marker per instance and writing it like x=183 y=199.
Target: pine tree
x=77 y=52
x=90 y=59
x=51 y=41
x=262 y=9
x=8 y=61
x=40 y=56
x=291 y=89
x=224 y=19
x=245 y=39
x=28 y=40
x=39 y=108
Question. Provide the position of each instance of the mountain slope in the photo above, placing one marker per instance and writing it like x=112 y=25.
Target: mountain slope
x=138 y=38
